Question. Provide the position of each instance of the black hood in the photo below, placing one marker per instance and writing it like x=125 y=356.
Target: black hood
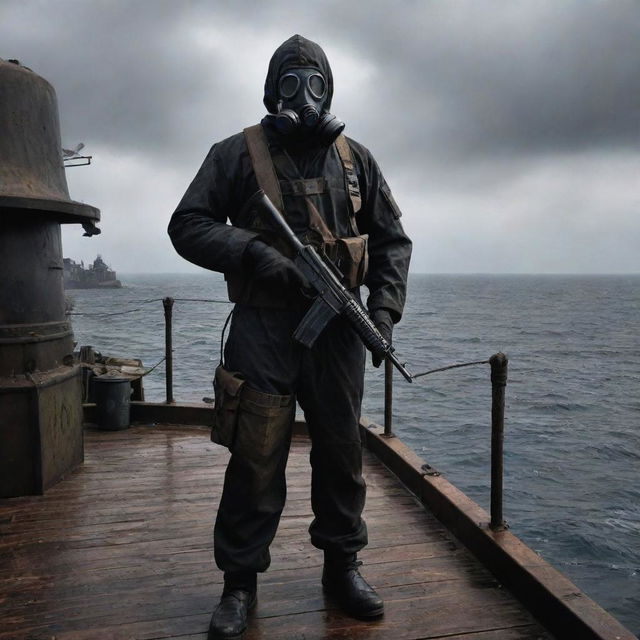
x=297 y=51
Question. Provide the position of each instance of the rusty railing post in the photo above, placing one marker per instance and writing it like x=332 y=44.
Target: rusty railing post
x=388 y=398
x=167 y=303
x=498 y=364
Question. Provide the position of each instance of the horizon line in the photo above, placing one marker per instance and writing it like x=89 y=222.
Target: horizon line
x=420 y=273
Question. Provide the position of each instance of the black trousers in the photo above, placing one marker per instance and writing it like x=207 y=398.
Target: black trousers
x=327 y=381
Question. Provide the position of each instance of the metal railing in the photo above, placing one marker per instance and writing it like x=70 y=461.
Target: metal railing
x=167 y=303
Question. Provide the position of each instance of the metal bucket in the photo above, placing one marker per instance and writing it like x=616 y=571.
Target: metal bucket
x=113 y=402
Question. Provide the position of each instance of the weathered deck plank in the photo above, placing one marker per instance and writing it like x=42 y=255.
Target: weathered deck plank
x=122 y=549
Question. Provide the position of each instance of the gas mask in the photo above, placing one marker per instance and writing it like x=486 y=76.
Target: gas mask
x=302 y=93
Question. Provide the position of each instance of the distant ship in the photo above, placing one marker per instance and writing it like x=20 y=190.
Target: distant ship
x=96 y=276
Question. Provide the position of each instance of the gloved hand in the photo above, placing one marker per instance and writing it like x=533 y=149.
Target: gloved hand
x=382 y=319
x=270 y=266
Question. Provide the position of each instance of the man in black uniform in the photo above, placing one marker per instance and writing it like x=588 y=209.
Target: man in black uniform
x=334 y=196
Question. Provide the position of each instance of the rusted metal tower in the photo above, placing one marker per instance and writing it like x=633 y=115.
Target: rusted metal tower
x=40 y=394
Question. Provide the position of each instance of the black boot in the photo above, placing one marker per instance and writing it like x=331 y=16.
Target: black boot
x=229 y=620
x=342 y=580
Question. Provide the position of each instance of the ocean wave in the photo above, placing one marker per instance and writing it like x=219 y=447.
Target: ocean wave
x=556 y=407
x=558 y=333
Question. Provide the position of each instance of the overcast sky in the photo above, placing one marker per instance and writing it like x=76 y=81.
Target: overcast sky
x=507 y=130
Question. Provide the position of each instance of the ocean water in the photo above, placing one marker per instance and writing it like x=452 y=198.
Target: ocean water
x=572 y=441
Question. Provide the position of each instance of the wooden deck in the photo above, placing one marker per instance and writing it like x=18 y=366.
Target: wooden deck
x=122 y=549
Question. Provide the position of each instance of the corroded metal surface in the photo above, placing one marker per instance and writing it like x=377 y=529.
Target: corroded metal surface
x=40 y=429
x=32 y=177
x=40 y=390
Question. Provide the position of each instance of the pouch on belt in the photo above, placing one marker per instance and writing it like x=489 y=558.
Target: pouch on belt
x=247 y=421
x=227 y=386
x=353 y=259
x=264 y=424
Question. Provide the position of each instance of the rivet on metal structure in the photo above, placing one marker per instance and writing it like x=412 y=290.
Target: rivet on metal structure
x=428 y=470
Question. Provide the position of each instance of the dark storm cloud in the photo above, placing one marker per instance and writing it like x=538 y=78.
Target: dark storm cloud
x=126 y=73
x=508 y=77
x=457 y=78
x=497 y=77
x=491 y=119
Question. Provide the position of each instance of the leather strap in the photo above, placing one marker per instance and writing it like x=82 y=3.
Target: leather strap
x=303 y=187
x=263 y=165
x=284 y=161
x=264 y=168
x=317 y=223
x=344 y=151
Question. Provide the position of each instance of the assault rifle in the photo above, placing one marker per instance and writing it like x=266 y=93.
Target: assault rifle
x=332 y=297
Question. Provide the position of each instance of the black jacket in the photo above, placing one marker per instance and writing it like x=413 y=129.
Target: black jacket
x=226 y=181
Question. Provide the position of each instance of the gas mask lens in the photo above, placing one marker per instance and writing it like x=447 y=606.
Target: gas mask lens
x=316 y=86
x=290 y=83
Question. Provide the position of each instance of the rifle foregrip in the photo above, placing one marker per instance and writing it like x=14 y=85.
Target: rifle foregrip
x=372 y=338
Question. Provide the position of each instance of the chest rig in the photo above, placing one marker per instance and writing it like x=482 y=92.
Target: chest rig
x=349 y=254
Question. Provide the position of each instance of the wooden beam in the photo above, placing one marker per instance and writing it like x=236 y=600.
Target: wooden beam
x=182 y=413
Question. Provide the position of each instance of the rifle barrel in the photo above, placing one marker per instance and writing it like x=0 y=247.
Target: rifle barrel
x=280 y=221
x=400 y=367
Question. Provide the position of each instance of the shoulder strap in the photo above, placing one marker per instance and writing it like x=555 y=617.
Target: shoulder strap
x=316 y=221
x=263 y=164
x=264 y=168
x=344 y=151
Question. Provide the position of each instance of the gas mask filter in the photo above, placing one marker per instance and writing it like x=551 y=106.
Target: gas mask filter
x=302 y=95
